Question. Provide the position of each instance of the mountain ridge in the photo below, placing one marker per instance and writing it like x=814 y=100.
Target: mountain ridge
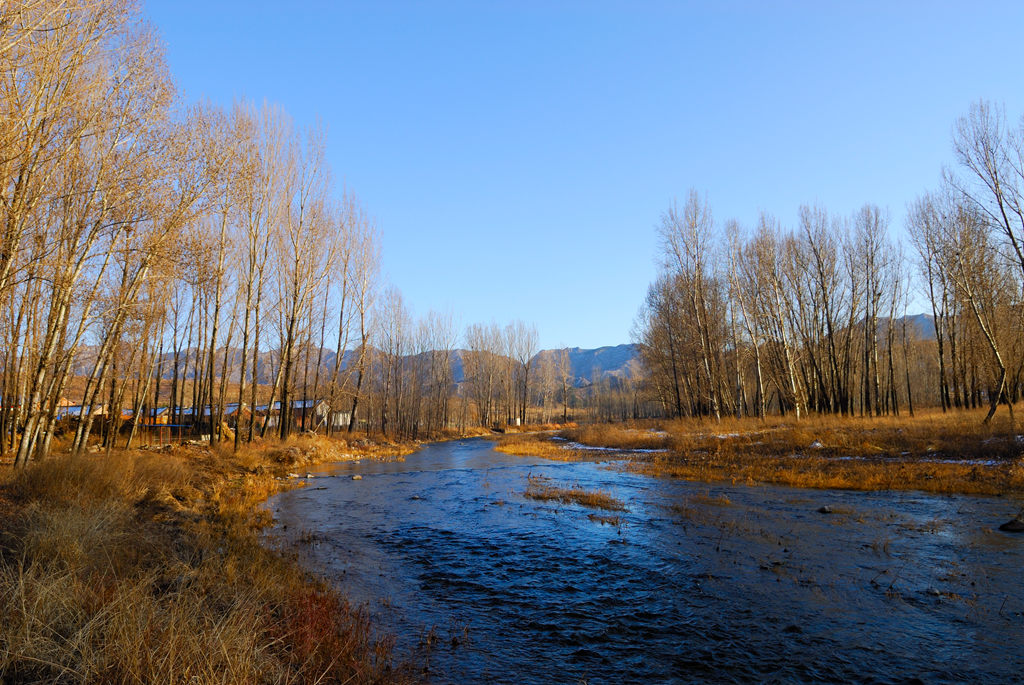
x=587 y=365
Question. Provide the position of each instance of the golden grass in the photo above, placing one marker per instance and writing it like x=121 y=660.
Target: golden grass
x=619 y=437
x=455 y=433
x=146 y=567
x=932 y=434
x=544 y=444
x=563 y=446
x=540 y=427
x=816 y=472
x=708 y=500
x=540 y=488
x=932 y=452
x=539 y=445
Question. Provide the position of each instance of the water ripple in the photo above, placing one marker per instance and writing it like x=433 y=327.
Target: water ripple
x=695 y=583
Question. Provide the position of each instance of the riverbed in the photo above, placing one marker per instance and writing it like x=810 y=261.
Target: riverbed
x=695 y=582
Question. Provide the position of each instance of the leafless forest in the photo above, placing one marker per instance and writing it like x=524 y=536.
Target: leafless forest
x=159 y=256
x=813 y=318
x=166 y=262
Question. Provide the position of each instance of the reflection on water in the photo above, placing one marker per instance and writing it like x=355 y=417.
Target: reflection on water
x=699 y=582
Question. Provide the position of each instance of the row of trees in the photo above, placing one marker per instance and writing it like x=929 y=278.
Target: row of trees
x=159 y=254
x=424 y=382
x=99 y=173
x=777 y=320
x=128 y=213
x=969 y=237
x=814 y=318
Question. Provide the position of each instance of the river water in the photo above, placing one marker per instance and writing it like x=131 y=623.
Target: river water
x=696 y=582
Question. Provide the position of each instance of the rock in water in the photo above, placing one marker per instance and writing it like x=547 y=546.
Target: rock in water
x=357 y=477
x=1014 y=525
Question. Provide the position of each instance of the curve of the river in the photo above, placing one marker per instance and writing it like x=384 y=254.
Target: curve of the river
x=697 y=583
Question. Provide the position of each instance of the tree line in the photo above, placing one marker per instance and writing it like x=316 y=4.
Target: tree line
x=813 y=318
x=157 y=254
x=141 y=231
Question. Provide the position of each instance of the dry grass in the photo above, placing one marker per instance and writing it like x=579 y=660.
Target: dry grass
x=540 y=488
x=935 y=452
x=619 y=437
x=568 y=444
x=817 y=472
x=706 y=500
x=540 y=427
x=539 y=445
x=455 y=434
x=954 y=436
x=306 y=449
x=146 y=567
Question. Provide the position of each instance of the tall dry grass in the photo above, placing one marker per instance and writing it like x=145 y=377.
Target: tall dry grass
x=618 y=436
x=541 y=488
x=147 y=568
x=539 y=445
x=933 y=451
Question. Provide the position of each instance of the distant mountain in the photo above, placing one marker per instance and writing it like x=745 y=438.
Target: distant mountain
x=620 y=362
x=588 y=366
x=919 y=326
x=923 y=325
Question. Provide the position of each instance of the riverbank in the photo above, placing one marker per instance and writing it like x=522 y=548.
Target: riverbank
x=146 y=566
x=932 y=452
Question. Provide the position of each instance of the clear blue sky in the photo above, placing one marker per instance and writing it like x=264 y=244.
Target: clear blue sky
x=518 y=155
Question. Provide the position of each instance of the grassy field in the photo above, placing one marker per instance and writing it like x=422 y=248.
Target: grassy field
x=146 y=567
x=934 y=452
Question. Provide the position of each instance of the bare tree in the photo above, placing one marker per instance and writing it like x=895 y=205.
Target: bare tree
x=688 y=236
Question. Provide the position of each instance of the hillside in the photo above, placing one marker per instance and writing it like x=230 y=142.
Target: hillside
x=592 y=365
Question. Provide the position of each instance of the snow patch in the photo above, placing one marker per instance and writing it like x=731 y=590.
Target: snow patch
x=594 y=448
x=962 y=462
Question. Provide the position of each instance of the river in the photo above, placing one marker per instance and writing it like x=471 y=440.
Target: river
x=696 y=582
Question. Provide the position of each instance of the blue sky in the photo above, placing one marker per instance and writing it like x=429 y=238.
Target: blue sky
x=518 y=155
